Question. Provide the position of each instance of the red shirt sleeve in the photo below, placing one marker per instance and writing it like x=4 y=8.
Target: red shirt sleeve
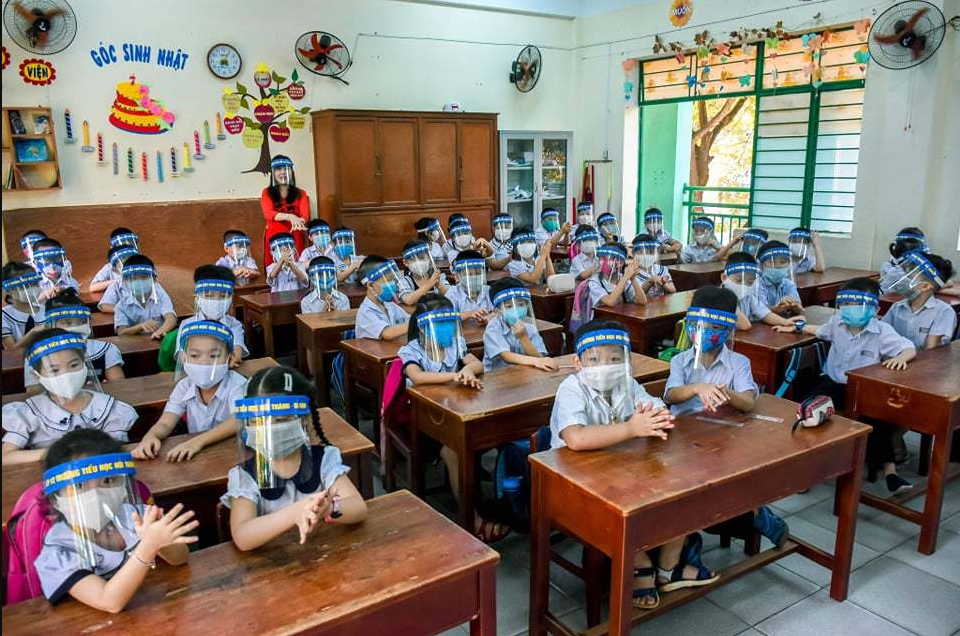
x=303 y=206
x=266 y=206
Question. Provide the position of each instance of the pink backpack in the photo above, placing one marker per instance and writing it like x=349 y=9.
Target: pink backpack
x=28 y=524
x=574 y=250
x=582 y=311
x=395 y=408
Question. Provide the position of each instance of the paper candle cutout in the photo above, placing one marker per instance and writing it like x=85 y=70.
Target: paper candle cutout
x=143 y=165
x=196 y=147
x=116 y=160
x=159 y=166
x=174 y=173
x=130 y=163
x=67 y=119
x=187 y=165
x=220 y=134
x=206 y=136
x=86 y=147
x=100 y=161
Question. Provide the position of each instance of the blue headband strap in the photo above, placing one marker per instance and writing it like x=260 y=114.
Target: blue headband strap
x=606 y=216
x=757 y=236
x=378 y=272
x=437 y=315
x=271 y=405
x=316 y=229
x=602 y=337
x=610 y=251
x=917 y=258
x=343 y=234
x=467 y=263
x=548 y=213
x=123 y=253
x=415 y=251
x=59 y=313
x=851 y=296
x=53 y=344
x=30 y=239
x=774 y=252
x=281 y=162
x=206 y=328
x=586 y=236
x=521 y=238
x=461 y=225
x=141 y=270
x=23 y=280
x=87 y=468
x=213 y=285
x=510 y=294
x=911 y=236
x=237 y=240
x=714 y=316
x=703 y=223
x=502 y=218
x=742 y=268
x=802 y=234
x=49 y=253
x=652 y=214
x=281 y=241
x=322 y=268
x=646 y=245
x=584 y=206
x=122 y=239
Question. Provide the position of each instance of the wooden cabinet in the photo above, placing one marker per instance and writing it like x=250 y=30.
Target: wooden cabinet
x=379 y=171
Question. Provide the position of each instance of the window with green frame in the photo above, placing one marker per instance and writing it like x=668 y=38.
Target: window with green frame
x=809 y=109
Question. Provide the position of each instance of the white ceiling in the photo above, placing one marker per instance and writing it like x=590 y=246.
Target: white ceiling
x=566 y=9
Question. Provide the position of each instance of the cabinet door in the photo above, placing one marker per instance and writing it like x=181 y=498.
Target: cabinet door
x=357 y=162
x=476 y=161
x=518 y=185
x=438 y=160
x=397 y=161
x=553 y=175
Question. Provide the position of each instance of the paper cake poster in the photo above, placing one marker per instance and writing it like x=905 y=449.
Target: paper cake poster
x=135 y=110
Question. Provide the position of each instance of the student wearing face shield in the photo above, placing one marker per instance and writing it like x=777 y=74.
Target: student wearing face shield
x=143 y=306
x=462 y=238
x=423 y=276
x=550 y=228
x=237 y=259
x=284 y=273
x=22 y=307
x=511 y=335
x=585 y=216
x=908 y=239
x=71 y=398
x=471 y=294
x=530 y=263
x=324 y=295
x=380 y=316
x=50 y=259
x=805 y=250
x=213 y=300
x=430 y=231
x=344 y=255
x=653 y=223
x=616 y=280
x=740 y=276
x=585 y=263
x=704 y=247
x=320 y=242
x=609 y=228
x=921 y=317
x=111 y=270
x=775 y=286
x=502 y=231
x=655 y=279
x=749 y=241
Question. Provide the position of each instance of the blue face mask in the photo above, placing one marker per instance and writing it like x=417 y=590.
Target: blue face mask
x=443 y=333
x=344 y=251
x=387 y=291
x=713 y=337
x=551 y=225
x=514 y=315
x=857 y=315
x=321 y=240
x=775 y=275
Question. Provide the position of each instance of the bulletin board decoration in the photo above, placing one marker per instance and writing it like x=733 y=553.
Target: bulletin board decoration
x=680 y=12
x=135 y=110
x=37 y=71
x=273 y=114
x=6 y=58
x=68 y=121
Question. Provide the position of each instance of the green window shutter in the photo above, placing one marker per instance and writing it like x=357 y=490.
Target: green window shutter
x=780 y=160
x=836 y=153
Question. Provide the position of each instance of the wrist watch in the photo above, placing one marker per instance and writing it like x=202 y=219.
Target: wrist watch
x=799 y=325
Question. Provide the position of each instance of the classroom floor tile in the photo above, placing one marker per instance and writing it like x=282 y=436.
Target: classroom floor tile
x=795 y=503
x=923 y=603
x=513 y=594
x=953 y=523
x=875 y=529
x=819 y=614
x=943 y=563
x=701 y=617
x=762 y=594
x=825 y=540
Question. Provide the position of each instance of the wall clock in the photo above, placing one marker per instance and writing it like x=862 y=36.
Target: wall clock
x=224 y=61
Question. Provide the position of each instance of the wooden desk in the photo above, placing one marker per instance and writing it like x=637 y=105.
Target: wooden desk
x=148 y=394
x=198 y=483
x=365 y=360
x=405 y=570
x=669 y=258
x=246 y=290
x=925 y=397
x=643 y=493
x=91 y=299
x=318 y=339
x=649 y=323
x=139 y=358
x=550 y=306
x=691 y=276
x=101 y=324
x=514 y=403
x=818 y=288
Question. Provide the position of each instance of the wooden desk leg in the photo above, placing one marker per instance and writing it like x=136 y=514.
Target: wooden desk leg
x=539 y=557
x=593 y=560
x=847 y=501
x=923 y=461
x=248 y=331
x=485 y=623
x=621 y=587
x=321 y=376
x=268 y=333
x=934 y=498
x=350 y=403
x=365 y=476
x=467 y=459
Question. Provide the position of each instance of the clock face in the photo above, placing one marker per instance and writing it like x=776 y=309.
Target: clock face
x=224 y=61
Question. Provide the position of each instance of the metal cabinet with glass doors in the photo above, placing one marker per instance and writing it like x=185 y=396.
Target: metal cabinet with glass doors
x=535 y=175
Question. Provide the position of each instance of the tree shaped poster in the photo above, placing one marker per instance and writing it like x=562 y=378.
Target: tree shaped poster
x=273 y=114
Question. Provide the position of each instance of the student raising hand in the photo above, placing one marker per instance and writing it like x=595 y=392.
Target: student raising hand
x=650 y=421
x=158 y=530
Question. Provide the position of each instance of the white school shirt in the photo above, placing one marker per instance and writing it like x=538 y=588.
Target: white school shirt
x=231 y=264
x=201 y=417
x=313 y=304
x=873 y=344
x=65 y=281
x=657 y=270
x=106 y=273
x=372 y=320
x=934 y=318
x=498 y=338
x=413 y=353
x=341 y=265
x=730 y=369
x=15 y=322
x=519 y=266
x=128 y=311
x=462 y=301
x=285 y=280
x=38 y=421
x=582 y=262
x=228 y=321
x=693 y=253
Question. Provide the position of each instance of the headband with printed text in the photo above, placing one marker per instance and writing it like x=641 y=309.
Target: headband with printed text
x=80 y=470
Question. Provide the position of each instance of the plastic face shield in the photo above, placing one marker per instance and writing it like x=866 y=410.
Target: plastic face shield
x=205 y=347
x=609 y=228
x=709 y=330
x=75 y=319
x=917 y=271
x=646 y=253
x=550 y=220
x=96 y=498
x=120 y=256
x=323 y=279
x=212 y=298
x=502 y=227
x=799 y=243
x=140 y=281
x=605 y=367
x=515 y=306
x=653 y=221
x=238 y=247
x=525 y=245
x=435 y=233
x=391 y=283
x=702 y=231
x=471 y=275
x=741 y=279
x=343 y=244
x=320 y=237
x=26 y=244
x=857 y=308
x=911 y=242
x=588 y=242
x=585 y=214
x=462 y=235
x=49 y=262
x=440 y=334
x=130 y=238
x=283 y=247
x=419 y=262
x=752 y=241
x=25 y=288
x=282 y=172
x=60 y=366
x=776 y=264
x=274 y=444
x=612 y=262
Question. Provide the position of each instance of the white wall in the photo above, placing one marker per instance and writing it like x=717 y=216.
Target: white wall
x=905 y=177
x=388 y=73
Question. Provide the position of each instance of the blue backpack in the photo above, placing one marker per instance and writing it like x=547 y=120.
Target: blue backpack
x=512 y=480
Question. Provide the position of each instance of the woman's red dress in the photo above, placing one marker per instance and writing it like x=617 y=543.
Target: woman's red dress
x=300 y=207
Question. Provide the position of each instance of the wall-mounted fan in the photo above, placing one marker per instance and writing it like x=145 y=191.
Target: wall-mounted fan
x=906 y=34
x=525 y=70
x=324 y=54
x=43 y=27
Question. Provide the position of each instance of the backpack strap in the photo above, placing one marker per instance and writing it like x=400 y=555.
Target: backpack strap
x=791 y=371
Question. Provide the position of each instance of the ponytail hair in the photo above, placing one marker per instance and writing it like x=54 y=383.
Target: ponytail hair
x=282 y=380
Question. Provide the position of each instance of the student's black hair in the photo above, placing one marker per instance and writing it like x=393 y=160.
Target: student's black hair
x=421 y=224
x=861 y=285
x=117 y=231
x=757 y=230
x=273 y=380
x=643 y=237
x=369 y=263
x=312 y=223
x=229 y=234
x=428 y=302
x=713 y=297
x=583 y=228
x=769 y=245
x=518 y=230
x=213 y=272
x=80 y=443
x=280 y=235
x=507 y=282
x=30 y=232
x=800 y=228
x=466 y=255
x=13 y=269
x=138 y=259
x=620 y=249
x=652 y=210
x=900 y=247
x=68 y=297
x=456 y=216
x=741 y=257
x=943 y=267
x=597 y=325
x=319 y=260
x=409 y=245
x=43 y=334
x=46 y=241
x=273 y=190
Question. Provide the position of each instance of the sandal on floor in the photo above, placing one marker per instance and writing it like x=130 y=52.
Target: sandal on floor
x=670 y=580
x=643 y=593
x=491 y=532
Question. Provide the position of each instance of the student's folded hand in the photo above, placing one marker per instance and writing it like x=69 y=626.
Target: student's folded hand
x=185 y=451
x=784 y=328
x=148 y=447
x=307 y=514
x=650 y=421
x=149 y=325
x=158 y=334
x=711 y=395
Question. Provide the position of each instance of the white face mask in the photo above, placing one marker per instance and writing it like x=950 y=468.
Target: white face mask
x=419 y=268
x=65 y=385
x=742 y=290
x=502 y=234
x=240 y=253
x=434 y=235
x=214 y=308
x=92 y=509
x=588 y=247
x=204 y=375
x=601 y=378
x=798 y=249
x=83 y=330
x=584 y=219
x=285 y=438
x=526 y=250
x=646 y=261
x=463 y=241
x=702 y=239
